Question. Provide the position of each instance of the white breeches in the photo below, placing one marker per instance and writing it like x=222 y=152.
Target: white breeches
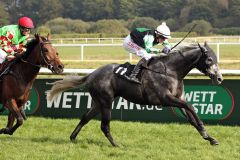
x=3 y=55
x=132 y=47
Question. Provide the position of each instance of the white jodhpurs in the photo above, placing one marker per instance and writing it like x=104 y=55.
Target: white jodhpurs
x=132 y=47
x=3 y=55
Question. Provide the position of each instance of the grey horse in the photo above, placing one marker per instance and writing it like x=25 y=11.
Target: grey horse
x=161 y=84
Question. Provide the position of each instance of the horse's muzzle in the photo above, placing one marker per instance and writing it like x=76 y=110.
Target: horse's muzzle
x=217 y=79
x=56 y=69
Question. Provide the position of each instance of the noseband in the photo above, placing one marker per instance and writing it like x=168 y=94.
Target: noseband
x=49 y=65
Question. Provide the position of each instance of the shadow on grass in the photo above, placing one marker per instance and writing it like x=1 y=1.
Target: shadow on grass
x=83 y=142
x=8 y=138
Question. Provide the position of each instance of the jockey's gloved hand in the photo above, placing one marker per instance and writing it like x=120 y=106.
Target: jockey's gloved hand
x=10 y=57
x=18 y=55
x=14 y=47
x=21 y=50
x=166 y=50
x=156 y=51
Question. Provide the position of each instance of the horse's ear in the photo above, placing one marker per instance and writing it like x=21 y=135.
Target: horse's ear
x=199 y=45
x=38 y=37
x=205 y=43
x=49 y=37
x=203 y=49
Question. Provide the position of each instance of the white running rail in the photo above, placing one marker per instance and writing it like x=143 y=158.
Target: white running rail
x=45 y=71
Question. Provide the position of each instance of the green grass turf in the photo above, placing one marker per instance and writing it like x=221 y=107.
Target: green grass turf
x=48 y=139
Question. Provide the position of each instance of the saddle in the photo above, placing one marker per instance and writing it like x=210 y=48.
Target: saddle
x=153 y=65
x=124 y=70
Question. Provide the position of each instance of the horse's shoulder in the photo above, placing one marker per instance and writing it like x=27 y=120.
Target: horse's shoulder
x=156 y=64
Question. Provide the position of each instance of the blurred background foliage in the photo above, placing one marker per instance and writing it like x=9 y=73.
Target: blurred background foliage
x=118 y=17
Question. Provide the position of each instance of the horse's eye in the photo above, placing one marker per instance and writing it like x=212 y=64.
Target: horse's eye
x=45 y=50
x=209 y=60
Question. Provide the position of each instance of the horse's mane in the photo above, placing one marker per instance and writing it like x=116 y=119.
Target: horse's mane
x=180 y=49
x=185 y=47
x=30 y=46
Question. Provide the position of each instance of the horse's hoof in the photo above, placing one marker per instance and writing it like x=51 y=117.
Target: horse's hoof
x=72 y=138
x=115 y=145
x=1 y=131
x=214 y=142
x=5 y=131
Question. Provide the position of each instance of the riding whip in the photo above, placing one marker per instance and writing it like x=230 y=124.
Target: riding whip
x=184 y=36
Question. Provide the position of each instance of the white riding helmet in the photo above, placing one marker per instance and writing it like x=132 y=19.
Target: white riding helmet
x=163 y=30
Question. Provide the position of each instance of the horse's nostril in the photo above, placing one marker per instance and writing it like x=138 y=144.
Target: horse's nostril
x=219 y=79
x=61 y=66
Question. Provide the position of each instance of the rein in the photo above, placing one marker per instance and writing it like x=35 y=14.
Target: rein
x=35 y=65
x=184 y=37
x=147 y=68
x=165 y=68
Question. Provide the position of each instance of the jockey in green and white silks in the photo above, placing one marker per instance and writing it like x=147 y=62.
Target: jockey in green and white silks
x=141 y=41
x=13 y=38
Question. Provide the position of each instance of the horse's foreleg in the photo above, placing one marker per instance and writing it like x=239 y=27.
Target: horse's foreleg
x=10 y=123
x=23 y=113
x=15 y=111
x=105 y=125
x=191 y=120
x=11 y=120
x=192 y=116
x=189 y=117
x=201 y=129
x=84 y=120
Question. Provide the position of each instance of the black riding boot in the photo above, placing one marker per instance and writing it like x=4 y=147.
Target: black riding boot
x=135 y=71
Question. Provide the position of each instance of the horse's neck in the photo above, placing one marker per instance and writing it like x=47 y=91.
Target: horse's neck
x=28 y=72
x=184 y=62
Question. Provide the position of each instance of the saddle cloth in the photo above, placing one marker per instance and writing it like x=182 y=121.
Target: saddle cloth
x=125 y=69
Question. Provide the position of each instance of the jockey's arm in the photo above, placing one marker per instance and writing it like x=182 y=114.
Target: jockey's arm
x=8 y=49
x=20 y=49
x=148 y=42
x=13 y=51
x=8 y=46
x=167 y=47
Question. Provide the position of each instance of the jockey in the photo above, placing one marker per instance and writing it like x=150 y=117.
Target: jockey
x=13 y=38
x=141 y=42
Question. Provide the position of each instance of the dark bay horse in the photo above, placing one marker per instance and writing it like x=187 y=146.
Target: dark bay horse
x=161 y=84
x=15 y=85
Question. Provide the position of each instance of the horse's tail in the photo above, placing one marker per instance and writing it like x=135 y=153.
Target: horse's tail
x=70 y=82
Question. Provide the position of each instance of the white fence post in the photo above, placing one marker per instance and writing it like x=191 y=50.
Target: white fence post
x=82 y=54
x=130 y=57
x=218 y=52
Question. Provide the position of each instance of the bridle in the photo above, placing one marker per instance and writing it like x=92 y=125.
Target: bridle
x=203 y=58
x=47 y=63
